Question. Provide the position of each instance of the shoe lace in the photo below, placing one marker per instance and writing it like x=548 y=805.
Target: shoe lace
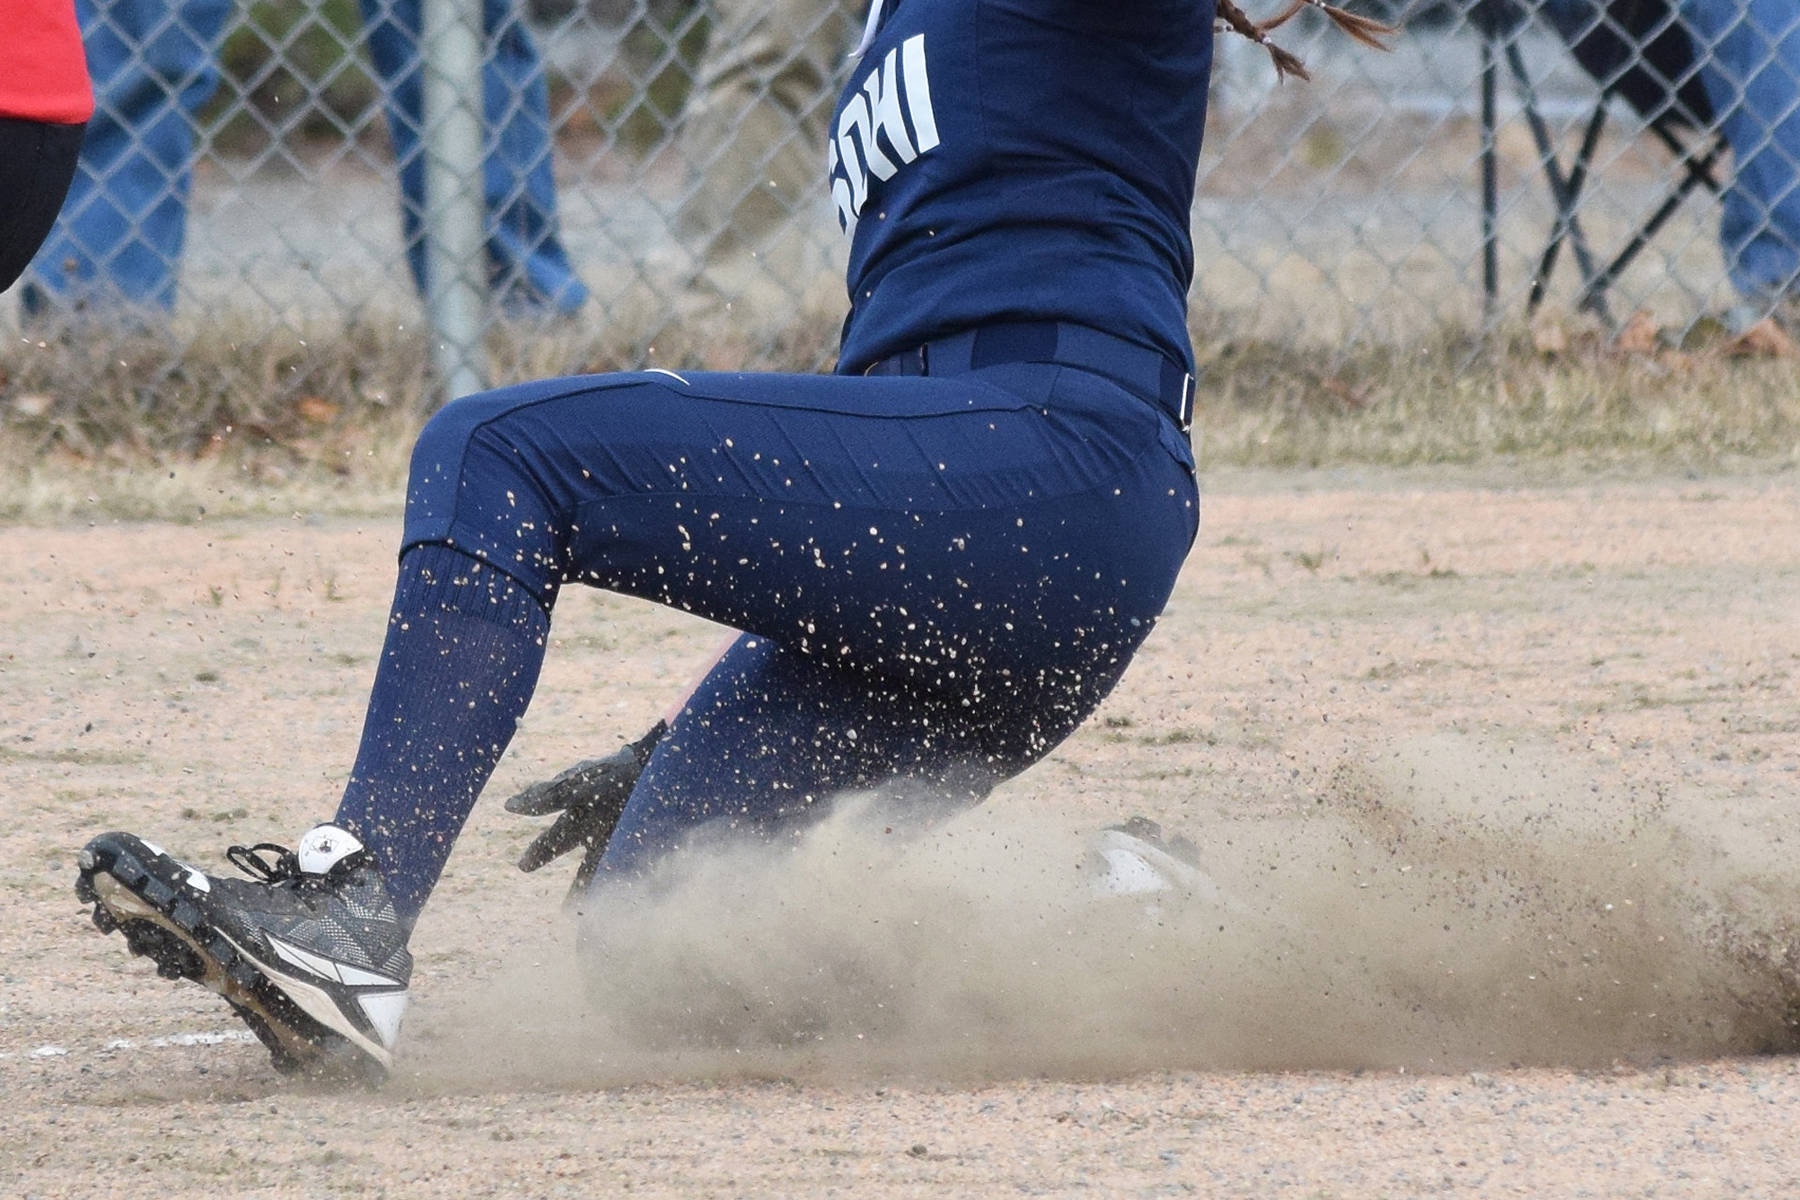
x=279 y=867
x=284 y=866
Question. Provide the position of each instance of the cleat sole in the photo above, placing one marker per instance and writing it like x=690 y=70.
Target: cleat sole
x=163 y=926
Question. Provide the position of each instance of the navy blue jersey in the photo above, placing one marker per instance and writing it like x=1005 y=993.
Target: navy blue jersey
x=1019 y=160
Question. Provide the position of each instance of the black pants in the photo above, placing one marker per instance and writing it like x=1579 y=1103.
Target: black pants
x=37 y=162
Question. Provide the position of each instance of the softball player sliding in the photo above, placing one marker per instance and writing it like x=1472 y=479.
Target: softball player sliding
x=942 y=557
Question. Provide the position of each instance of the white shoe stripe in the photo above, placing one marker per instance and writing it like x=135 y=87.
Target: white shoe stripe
x=357 y=977
x=384 y=1010
x=330 y=968
x=306 y=960
x=320 y=1007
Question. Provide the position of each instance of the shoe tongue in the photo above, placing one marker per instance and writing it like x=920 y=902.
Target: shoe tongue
x=324 y=847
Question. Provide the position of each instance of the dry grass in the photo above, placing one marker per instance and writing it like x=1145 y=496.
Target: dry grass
x=140 y=426
x=1556 y=395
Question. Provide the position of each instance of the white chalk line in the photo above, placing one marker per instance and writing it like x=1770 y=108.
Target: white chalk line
x=211 y=1038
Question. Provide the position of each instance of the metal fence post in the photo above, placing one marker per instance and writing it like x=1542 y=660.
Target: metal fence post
x=623 y=173
x=455 y=262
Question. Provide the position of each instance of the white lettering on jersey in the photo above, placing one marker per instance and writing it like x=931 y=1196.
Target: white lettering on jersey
x=872 y=135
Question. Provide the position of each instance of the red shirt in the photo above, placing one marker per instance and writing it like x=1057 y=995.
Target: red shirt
x=43 y=72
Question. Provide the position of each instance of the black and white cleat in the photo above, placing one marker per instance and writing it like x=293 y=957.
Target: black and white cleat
x=308 y=952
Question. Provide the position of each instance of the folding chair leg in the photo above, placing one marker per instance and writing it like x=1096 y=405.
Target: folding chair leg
x=1697 y=170
x=1496 y=21
x=1576 y=183
x=1490 y=173
x=1559 y=188
x=1699 y=173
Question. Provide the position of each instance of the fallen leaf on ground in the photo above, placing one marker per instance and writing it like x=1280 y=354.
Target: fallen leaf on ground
x=1550 y=338
x=1639 y=336
x=316 y=410
x=1765 y=339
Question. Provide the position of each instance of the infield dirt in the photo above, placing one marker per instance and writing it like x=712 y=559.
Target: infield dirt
x=1500 y=783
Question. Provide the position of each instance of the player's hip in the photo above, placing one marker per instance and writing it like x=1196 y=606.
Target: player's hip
x=1008 y=434
x=711 y=477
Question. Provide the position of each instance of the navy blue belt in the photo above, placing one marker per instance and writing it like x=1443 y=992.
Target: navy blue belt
x=1143 y=372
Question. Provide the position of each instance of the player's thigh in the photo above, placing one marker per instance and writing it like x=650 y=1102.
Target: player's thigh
x=614 y=468
x=772 y=735
x=1008 y=520
x=1015 y=513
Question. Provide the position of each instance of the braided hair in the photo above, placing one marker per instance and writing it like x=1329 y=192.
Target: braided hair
x=1231 y=19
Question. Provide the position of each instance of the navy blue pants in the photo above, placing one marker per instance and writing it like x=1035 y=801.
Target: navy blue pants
x=938 y=578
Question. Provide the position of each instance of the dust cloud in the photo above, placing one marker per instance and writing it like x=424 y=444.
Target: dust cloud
x=1438 y=906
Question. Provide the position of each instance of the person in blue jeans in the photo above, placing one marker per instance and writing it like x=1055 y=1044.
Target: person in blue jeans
x=1750 y=63
x=1733 y=65
x=154 y=64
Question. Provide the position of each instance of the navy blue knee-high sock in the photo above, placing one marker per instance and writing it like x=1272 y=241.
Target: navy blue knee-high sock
x=464 y=644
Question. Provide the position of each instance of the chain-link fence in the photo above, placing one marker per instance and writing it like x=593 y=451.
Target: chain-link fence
x=648 y=173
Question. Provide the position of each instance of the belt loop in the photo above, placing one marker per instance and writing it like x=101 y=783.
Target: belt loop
x=1176 y=393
